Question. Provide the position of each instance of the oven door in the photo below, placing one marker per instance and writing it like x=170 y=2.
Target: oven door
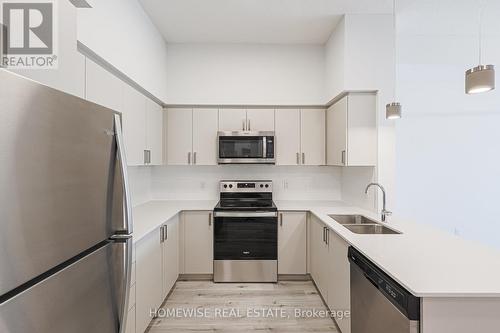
x=245 y=236
x=245 y=147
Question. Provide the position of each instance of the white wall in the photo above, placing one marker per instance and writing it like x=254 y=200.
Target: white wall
x=334 y=75
x=201 y=183
x=359 y=55
x=139 y=184
x=245 y=74
x=70 y=74
x=120 y=32
x=448 y=143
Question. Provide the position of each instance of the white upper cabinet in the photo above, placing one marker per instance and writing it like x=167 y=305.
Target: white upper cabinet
x=232 y=119
x=192 y=136
x=134 y=125
x=154 y=132
x=287 y=136
x=352 y=131
x=142 y=119
x=260 y=119
x=246 y=119
x=205 y=125
x=300 y=137
x=179 y=136
x=102 y=87
x=312 y=134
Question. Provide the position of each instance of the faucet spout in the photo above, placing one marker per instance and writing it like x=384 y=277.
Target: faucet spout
x=384 y=212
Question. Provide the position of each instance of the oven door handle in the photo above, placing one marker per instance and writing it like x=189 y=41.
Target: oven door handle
x=245 y=214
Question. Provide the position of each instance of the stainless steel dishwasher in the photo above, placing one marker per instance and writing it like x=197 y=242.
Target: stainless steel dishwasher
x=378 y=303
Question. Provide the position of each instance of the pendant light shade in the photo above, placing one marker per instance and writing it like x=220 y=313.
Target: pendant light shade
x=480 y=79
x=393 y=111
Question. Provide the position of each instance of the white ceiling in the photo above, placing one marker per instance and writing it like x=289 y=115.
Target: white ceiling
x=254 y=21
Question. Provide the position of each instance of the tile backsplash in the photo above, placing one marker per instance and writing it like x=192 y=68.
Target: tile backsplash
x=201 y=182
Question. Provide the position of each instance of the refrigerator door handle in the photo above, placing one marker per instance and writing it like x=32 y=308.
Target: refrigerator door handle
x=122 y=296
x=127 y=207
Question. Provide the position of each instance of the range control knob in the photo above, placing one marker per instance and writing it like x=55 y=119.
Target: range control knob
x=230 y=185
x=261 y=185
x=267 y=185
x=225 y=185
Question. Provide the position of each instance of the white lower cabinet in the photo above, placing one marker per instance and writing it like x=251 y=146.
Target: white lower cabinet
x=197 y=242
x=149 y=278
x=319 y=256
x=339 y=291
x=170 y=254
x=156 y=270
x=330 y=269
x=292 y=243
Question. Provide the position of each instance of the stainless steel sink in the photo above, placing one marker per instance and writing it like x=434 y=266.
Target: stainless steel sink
x=352 y=219
x=360 y=224
x=372 y=229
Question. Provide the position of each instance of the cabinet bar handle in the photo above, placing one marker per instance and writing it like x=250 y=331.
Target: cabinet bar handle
x=298 y=158
x=194 y=158
x=244 y=124
x=343 y=157
x=189 y=157
x=281 y=219
x=249 y=127
x=324 y=234
x=145 y=156
x=166 y=232
x=303 y=158
x=209 y=219
x=162 y=235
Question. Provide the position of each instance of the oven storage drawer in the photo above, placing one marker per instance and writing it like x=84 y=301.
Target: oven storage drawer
x=245 y=251
x=245 y=238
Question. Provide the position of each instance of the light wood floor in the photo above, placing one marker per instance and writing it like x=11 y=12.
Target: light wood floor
x=242 y=297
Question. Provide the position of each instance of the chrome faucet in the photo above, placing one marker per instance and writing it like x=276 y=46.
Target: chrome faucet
x=385 y=212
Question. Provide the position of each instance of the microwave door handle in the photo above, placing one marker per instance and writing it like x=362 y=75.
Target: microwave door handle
x=264 y=149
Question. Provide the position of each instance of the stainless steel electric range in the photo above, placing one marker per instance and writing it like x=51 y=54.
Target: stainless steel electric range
x=246 y=233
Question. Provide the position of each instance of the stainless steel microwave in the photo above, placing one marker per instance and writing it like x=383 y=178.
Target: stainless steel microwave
x=246 y=147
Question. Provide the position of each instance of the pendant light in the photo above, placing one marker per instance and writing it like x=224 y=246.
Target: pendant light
x=393 y=110
x=482 y=77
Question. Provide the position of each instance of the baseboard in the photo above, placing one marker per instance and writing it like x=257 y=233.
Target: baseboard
x=294 y=277
x=195 y=277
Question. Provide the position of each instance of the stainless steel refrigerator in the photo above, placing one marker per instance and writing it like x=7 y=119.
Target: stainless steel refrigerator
x=65 y=215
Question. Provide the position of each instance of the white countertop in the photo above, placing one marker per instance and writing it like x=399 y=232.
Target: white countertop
x=150 y=215
x=426 y=261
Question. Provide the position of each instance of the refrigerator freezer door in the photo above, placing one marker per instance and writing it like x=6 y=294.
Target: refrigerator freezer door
x=84 y=297
x=58 y=171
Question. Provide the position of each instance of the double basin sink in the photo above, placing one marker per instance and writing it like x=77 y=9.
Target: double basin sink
x=360 y=224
